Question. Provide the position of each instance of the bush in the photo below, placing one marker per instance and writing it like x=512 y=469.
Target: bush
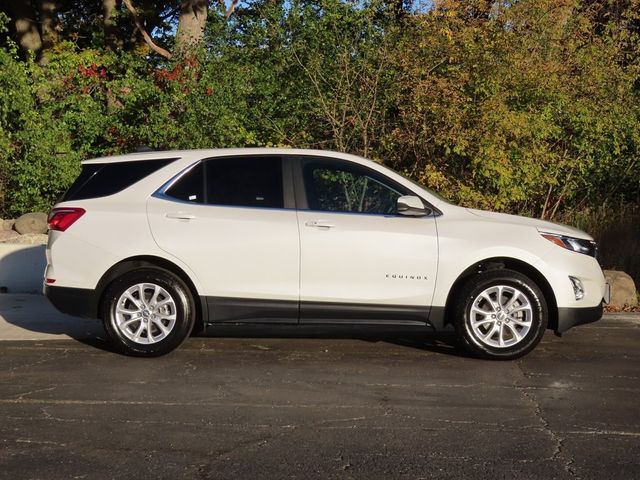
x=527 y=107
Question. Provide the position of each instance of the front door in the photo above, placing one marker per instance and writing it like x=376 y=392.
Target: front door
x=361 y=262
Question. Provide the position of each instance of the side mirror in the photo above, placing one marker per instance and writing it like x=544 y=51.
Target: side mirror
x=411 y=206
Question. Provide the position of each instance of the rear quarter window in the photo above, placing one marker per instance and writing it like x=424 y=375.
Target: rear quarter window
x=104 y=179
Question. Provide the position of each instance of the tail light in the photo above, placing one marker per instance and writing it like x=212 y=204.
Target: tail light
x=62 y=218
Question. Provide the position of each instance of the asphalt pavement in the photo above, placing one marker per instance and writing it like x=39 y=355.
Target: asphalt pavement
x=267 y=402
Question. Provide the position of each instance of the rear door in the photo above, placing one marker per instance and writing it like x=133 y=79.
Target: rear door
x=361 y=262
x=232 y=221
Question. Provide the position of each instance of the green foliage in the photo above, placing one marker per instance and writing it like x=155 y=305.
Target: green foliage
x=84 y=104
x=527 y=107
x=521 y=108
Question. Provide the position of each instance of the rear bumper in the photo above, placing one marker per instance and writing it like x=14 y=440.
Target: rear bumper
x=79 y=302
x=571 y=317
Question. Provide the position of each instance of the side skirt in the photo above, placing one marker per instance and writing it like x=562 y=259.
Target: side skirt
x=356 y=313
x=249 y=310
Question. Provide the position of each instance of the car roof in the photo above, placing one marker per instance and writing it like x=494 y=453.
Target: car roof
x=219 y=152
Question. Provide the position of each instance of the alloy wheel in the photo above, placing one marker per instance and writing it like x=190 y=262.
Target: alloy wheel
x=145 y=313
x=501 y=316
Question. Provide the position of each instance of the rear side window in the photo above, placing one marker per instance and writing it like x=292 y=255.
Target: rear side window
x=103 y=179
x=245 y=182
x=189 y=187
x=232 y=181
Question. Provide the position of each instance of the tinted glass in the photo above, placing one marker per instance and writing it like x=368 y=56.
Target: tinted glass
x=189 y=187
x=87 y=172
x=335 y=188
x=102 y=179
x=245 y=182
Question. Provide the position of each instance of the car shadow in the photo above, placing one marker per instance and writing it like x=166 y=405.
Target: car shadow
x=33 y=313
x=31 y=317
x=443 y=343
x=410 y=337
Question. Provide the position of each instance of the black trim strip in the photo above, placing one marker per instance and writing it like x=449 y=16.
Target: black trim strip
x=251 y=310
x=79 y=302
x=436 y=317
x=356 y=313
x=288 y=189
x=571 y=317
x=83 y=302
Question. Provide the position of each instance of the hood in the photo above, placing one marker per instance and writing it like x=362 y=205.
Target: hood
x=541 y=225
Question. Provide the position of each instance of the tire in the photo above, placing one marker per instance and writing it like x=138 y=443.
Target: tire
x=502 y=330
x=154 y=326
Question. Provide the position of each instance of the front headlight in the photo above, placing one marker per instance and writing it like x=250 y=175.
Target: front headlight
x=587 y=247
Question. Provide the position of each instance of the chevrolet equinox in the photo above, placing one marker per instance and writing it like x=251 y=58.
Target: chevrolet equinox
x=156 y=244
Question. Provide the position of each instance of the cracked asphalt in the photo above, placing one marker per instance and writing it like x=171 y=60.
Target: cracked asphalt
x=266 y=402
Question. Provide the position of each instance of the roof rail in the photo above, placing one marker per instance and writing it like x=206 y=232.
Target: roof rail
x=144 y=148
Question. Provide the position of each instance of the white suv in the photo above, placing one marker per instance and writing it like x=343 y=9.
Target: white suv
x=158 y=243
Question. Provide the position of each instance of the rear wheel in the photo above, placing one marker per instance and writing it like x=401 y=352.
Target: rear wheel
x=500 y=314
x=148 y=312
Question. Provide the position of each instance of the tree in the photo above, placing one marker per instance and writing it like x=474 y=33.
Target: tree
x=193 y=16
x=48 y=18
x=143 y=32
x=523 y=110
x=109 y=9
x=527 y=107
x=25 y=24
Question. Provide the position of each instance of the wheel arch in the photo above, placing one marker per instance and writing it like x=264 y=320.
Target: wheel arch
x=142 y=261
x=496 y=263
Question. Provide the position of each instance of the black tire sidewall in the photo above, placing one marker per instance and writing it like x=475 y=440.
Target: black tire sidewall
x=480 y=283
x=185 y=311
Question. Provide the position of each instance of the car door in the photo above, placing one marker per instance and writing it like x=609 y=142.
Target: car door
x=361 y=262
x=232 y=221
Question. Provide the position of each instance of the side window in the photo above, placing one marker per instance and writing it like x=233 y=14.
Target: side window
x=103 y=179
x=245 y=182
x=189 y=187
x=339 y=187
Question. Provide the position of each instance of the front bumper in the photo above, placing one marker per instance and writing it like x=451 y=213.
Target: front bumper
x=570 y=317
x=79 y=302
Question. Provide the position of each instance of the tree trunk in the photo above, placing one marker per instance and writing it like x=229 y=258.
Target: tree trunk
x=49 y=23
x=26 y=25
x=108 y=24
x=49 y=28
x=193 y=17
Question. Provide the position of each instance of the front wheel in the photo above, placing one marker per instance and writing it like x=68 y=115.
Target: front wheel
x=500 y=314
x=148 y=312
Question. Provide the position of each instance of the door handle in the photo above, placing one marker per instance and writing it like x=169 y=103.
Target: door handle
x=180 y=216
x=319 y=224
